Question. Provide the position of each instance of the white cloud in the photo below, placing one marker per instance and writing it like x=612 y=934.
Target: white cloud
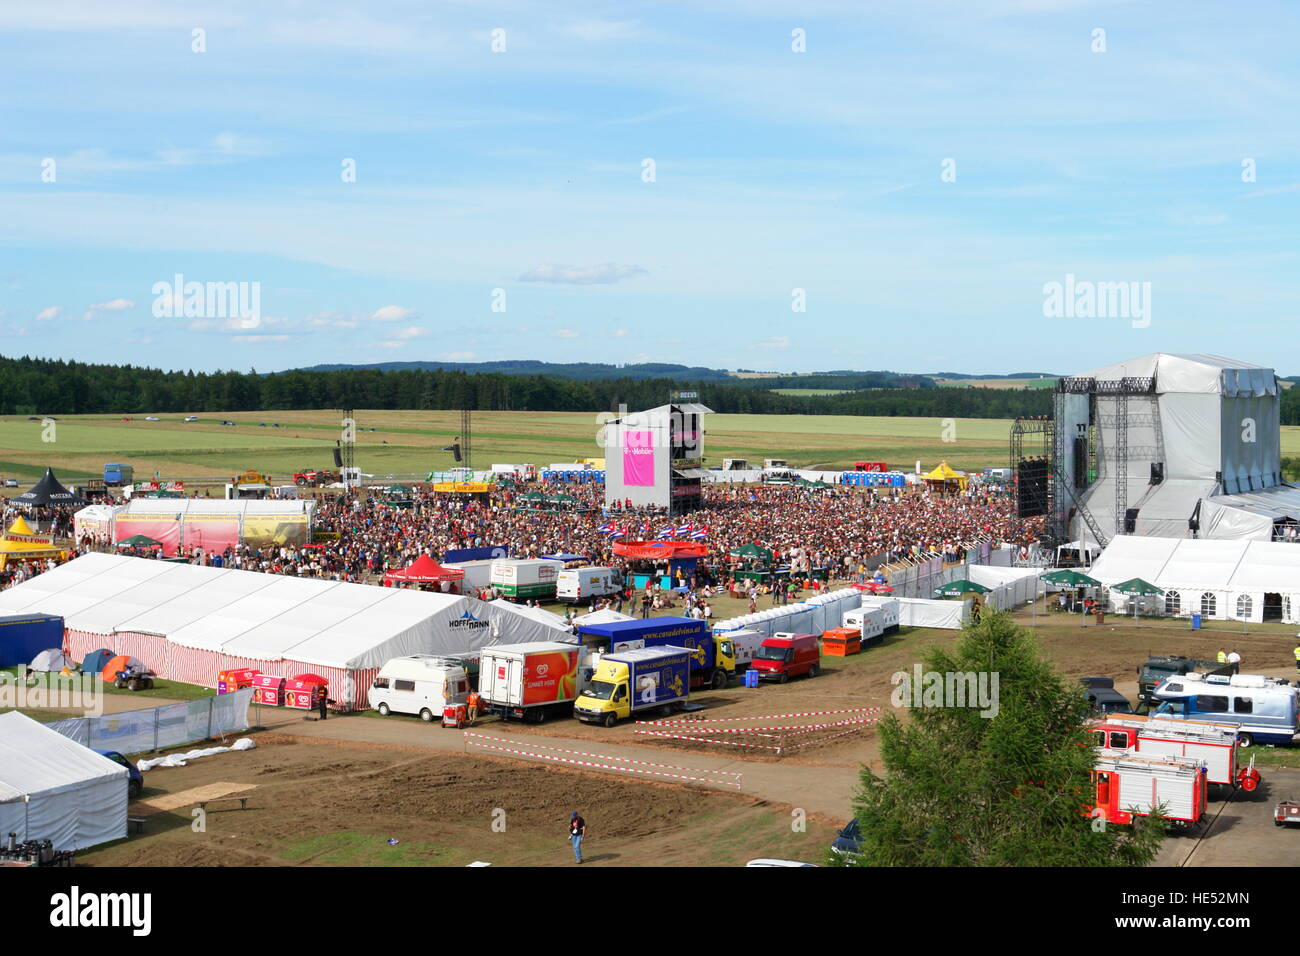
x=565 y=334
x=402 y=336
x=603 y=274
x=600 y=30
x=112 y=305
x=774 y=342
x=619 y=333
x=392 y=313
x=259 y=338
x=336 y=320
x=51 y=313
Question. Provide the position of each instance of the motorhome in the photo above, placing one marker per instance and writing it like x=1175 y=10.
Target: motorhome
x=1263 y=708
x=423 y=684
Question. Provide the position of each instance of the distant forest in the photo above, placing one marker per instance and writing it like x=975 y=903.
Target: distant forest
x=52 y=387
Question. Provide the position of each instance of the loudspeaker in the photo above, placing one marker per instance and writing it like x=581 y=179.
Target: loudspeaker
x=1080 y=461
x=1157 y=472
x=455 y=451
x=338 y=458
x=1130 y=520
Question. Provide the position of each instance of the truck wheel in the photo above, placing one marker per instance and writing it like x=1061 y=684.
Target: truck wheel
x=719 y=679
x=610 y=720
x=426 y=715
x=383 y=710
x=812 y=671
x=135 y=786
x=1246 y=740
x=534 y=715
x=785 y=678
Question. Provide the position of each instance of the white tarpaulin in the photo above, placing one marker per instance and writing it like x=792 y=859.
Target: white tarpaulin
x=918 y=612
x=54 y=788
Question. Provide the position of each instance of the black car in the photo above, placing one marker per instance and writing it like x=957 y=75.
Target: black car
x=1106 y=700
x=849 y=839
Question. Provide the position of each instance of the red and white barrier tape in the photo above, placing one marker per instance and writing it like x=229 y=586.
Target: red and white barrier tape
x=728 y=720
x=706 y=740
x=766 y=731
x=581 y=753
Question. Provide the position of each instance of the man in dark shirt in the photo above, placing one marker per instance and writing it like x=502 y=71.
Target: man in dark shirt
x=577 y=830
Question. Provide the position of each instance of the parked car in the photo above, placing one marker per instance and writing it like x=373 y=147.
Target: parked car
x=191 y=418
x=135 y=779
x=1106 y=700
x=848 y=838
x=11 y=482
x=151 y=418
x=769 y=862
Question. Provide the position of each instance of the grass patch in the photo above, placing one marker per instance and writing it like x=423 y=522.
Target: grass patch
x=364 y=849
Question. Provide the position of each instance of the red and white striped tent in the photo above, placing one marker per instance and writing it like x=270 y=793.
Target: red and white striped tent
x=187 y=622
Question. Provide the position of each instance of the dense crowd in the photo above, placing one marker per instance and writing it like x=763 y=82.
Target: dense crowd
x=840 y=532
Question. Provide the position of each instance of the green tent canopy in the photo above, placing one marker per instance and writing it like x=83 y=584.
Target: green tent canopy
x=139 y=541
x=958 y=588
x=1071 y=579
x=1136 y=587
x=752 y=552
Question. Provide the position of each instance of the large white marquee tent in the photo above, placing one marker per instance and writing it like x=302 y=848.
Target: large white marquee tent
x=1218 y=579
x=54 y=788
x=188 y=622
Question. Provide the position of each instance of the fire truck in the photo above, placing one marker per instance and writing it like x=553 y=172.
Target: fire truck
x=1214 y=744
x=1128 y=784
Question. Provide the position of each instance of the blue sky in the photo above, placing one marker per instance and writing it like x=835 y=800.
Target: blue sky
x=775 y=170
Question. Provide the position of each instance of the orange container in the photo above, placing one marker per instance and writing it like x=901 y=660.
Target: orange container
x=841 y=642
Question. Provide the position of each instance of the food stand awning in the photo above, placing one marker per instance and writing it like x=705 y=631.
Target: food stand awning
x=660 y=550
x=424 y=570
x=1070 y=579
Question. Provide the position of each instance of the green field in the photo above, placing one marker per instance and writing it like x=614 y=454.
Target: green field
x=410 y=443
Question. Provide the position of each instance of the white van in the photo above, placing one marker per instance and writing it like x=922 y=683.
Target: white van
x=421 y=684
x=581 y=584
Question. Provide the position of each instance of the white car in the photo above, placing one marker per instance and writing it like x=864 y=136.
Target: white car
x=11 y=482
x=151 y=418
x=191 y=418
x=777 y=863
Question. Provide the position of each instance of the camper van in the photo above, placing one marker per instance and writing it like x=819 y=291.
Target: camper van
x=421 y=684
x=582 y=584
x=1264 y=708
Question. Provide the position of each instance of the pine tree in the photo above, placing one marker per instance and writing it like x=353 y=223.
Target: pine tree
x=1012 y=789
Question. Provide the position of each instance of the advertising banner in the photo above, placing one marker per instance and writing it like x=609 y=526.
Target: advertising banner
x=211 y=532
x=281 y=529
x=638 y=459
x=551 y=677
x=165 y=528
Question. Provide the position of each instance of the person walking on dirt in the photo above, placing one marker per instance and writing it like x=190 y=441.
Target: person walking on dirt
x=577 y=830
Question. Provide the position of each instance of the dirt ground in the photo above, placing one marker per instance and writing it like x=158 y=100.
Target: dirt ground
x=320 y=802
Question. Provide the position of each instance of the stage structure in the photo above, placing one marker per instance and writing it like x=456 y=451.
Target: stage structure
x=1162 y=445
x=655 y=458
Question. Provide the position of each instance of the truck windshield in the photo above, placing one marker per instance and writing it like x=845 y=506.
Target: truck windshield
x=1157 y=673
x=600 y=690
x=768 y=653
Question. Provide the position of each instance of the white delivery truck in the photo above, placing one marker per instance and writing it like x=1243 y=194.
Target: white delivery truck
x=581 y=584
x=423 y=684
x=529 y=681
x=870 y=621
x=523 y=578
x=745 y=643
x=888 y=606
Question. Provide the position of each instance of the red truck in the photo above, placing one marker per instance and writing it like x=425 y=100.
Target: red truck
x=785 y=655
x=315 y=477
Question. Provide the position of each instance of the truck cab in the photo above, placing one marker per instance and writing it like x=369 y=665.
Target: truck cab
x=784 y=655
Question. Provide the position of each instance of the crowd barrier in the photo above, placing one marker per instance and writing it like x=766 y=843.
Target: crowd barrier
x=157 y=728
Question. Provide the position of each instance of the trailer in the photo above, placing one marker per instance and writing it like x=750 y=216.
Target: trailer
x=890 y=609
x=520 y=579
x=1128 y=784
x=529 y=682
x=1214 y=744
x=870 y=622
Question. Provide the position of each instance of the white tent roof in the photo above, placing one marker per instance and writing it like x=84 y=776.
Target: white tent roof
x=270 y=617
x=538 y=614
x=219 y=506
x=1203 y=565
x=606 y=616
x=1192 y=373
x=75 y=797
